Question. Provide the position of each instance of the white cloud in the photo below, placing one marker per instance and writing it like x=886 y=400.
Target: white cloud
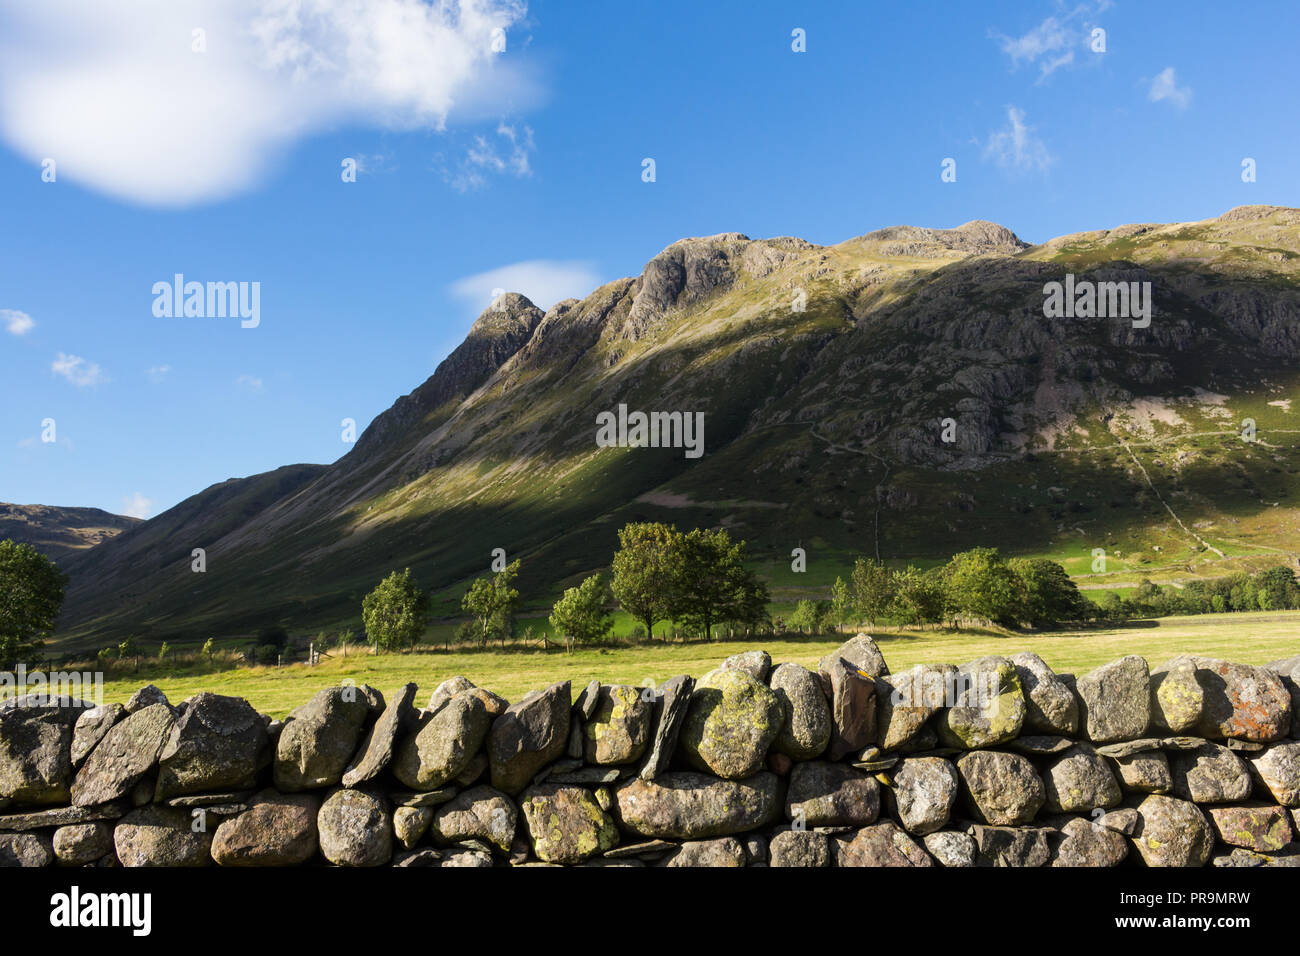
x=1053 y=43
x=77 y=370
x=137 y=506
x=1165 y=87
x=508 y=153
x=158 y=373
x=1016 y=147
x=15 y=322
x=543 y=281
x=249 y=383
x=119 y=98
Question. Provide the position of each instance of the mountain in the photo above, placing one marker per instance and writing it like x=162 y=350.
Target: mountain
x=829 y=378
x=60 y=533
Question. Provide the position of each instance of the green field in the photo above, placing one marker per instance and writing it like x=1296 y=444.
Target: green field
x=1254 y=638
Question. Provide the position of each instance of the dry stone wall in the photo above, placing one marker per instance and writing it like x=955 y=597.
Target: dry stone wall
x=999 y=762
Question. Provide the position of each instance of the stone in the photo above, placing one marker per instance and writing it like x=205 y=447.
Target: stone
x=91 y=727
x=647 y=848
x=431 y=798
x=618 y=729
x=1144 y=772
x=443 y=743
x=1177 y=699
x=988 y=708
x=1124 y=820
x=803 y=848
x=528 y=736
x=481 y=813
x=376 y=750
x=1288 y=669
x=1126 y=748
x=1209 y=774
x=1258 y=826
x=277 y=829
x=732 y=721
x=63 y=816
x=1239 y=856
x=146 y=696
x=128 y=752
x=881 y=844
x=446 y=691
x=724 y=852
x=1172 y=832
x=1278 y=770
x=1079 y=781
x=410 y=824
x=1039 y=745
x=1011 y=846
x=1250 y=703
x=355 y=828
x=828 y=794
x=755 y=848
x=216 y=743
x=160 y=836
x=805 y=713
x=466 y=857
x=1003 y=789
x=494 y=704
x=25 y=850
x=418 y=858
x=951 y=848
x=852 y=695
x=319 y=739
x=81 y=844
x=1050 y=704
x=692 y=806
x=756 y=664
x=1115 y=700
x=923 y=792
x=35 y=750
x=587 y=701
x=1085 y=843
x=474 y=770
x=566 y=824
x=862 y=654
x=906 y=701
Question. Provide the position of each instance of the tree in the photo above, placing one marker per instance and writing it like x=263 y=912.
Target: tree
x=582 y=614
x=812 y=615
x=396 y=612
x=1050 y=597
x=491 y=601
x=918 y=597
x=645 y=571
x=979 y=583
x=209 y=650
x=164 y=650
x=1277 y=589
x=873 y=589
x=713 y=585
x=31 y=596
x=841 y=603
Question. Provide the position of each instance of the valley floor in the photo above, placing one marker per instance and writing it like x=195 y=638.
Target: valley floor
x=1253 y=638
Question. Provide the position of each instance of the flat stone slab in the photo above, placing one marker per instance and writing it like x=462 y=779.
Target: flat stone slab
x=64 y=816
x=1033 y=745
x=431 y=798
x=648 y=848
x=586 y=776
x=210 y=799
x=1127 y=748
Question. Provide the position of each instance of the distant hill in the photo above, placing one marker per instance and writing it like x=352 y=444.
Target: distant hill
x=60 y=533
x=830 y=378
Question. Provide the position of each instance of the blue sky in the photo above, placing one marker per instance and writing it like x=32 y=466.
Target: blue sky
x=480 y=167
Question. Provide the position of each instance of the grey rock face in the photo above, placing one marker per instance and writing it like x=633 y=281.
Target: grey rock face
x=146 y=696
x=989 y=708
x=1051 y=707
x=831 y=795
x=443 y=744
x=881 y=844
x=618 y=729
x=90 y=728
x=277 y=829
x=1003 y=789
x=319 y=739
x=722 y=852
x=1144 y=772
x=376 y=750
x=480 y=813
x=732 y=721
x=1085 y=843
x=1172 y=832
x=216 y=743
x=806 y=715
x=1209 y=774
x=672 y=701
x=692 y=806
x=951 y=848
x=862 y=653
x=566 y=824
x=1011 y=846
x=161 y=836
x=355 y=829
x=1079 y=781
x=81 y=844
x=754 y=663
x=25 y=850
x=1115 y=700
x=1278 y=771
x=804 y=848
x=906 y=701
x=528 y=736
x=127 y=753
x=923 y=793
x=35 y=751
x=1177 y=699
x=852 y=695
